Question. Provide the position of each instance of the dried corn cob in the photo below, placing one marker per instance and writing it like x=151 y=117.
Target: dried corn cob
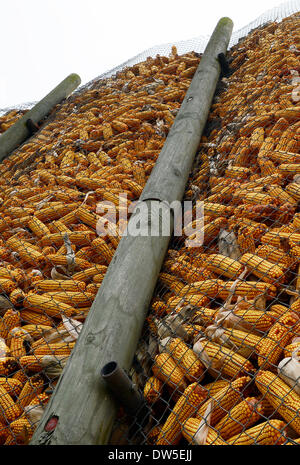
x=284 y=400
x=270 y=432
x=186 y=358
x=153 y=389
x=166 y=369
x=9 y=410
x=245 y=414
x=224 y=360
x=191 y=430
x=31 y=389
x=192 y=397
x=278 y=337
x=222 y=265
x=262 y=268
x=224 y=400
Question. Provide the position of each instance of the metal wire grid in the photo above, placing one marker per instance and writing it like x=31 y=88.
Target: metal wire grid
x=139 y=430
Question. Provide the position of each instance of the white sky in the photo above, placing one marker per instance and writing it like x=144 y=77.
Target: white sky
x=42 y=41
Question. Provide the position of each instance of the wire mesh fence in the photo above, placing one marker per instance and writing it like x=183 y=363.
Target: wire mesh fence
x=218 y=358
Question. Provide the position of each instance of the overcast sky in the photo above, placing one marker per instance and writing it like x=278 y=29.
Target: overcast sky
x=42 y=41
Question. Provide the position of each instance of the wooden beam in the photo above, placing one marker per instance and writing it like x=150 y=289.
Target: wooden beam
x=81 y=401
x=20 y=131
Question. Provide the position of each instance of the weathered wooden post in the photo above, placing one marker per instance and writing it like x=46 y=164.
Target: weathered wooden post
x=81 y=403
x=19 y=132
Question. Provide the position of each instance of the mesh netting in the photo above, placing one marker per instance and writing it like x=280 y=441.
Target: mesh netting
x=218 y=358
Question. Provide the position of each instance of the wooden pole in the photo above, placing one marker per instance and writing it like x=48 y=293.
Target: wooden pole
x=81 y=403
x=19 y=132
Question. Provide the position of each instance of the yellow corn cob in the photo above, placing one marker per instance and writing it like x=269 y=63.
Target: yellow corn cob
x=58 y=226
x=102 y=249
x=224 y=400
x=48 y=305
x=166 y=369
x=36 y=331
x=197 y=300
x=7 y=365
x=225 y=360
x=186 y=358
x=17 y=342
x=31 y=389
x=80 y=238
x=262 y=268
x=170 y=281
x=295 y=307
x=32 y=363
x=279 y=336
x=16 y=297
x=216 y=209
x=9 y=410
x=257 y=198
x=36 y=318
x=284 y=399
x=289 y=349
x=209 y=287
x=139 y=174
x=68 y=285
x=14 y=274
x=56 y=259
x=26 y=251
x=75 y=299
x=270 y=432
x=274 y=255
x=191 y=427
x=245 y=240
x=38 y=227
x=204 y=316
x=40 y=399
x=280 y=310
x=248 y=342
x=260 y=321
x=4 y=432
x=22 y=430
x=211 y=230
x=56 y=348
x=275 y=238
x=249 y=289
x=58 y=211
x=253 y=123
x=245 y=414
x=7 y=286
x=278 y=193
x=222 y=265
x=87 y=274
x=12 y=386
x=87 y=217
x=187 y=404
x=215 y=386
x=10 y=320
x=20 y=375
x=153 y=389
